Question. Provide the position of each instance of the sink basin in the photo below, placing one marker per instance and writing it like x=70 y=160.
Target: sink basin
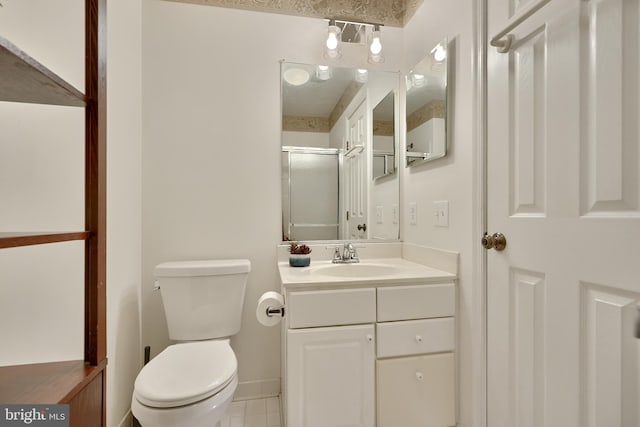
x=357 y=270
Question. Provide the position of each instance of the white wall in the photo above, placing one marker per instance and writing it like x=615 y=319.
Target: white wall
x=451 y=177
x=124 y=206
x=211 y=150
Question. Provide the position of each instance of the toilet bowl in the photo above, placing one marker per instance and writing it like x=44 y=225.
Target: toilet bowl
x=188 y=384
x=191 y=383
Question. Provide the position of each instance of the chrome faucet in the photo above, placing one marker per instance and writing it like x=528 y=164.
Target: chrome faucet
x=348 y=255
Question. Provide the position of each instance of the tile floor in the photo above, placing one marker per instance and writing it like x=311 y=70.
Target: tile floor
x=254 y=413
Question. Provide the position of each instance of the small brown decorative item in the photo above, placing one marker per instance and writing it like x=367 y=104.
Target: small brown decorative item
x=299 y=255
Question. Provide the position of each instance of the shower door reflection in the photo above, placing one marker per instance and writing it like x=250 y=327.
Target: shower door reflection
x=310 y=185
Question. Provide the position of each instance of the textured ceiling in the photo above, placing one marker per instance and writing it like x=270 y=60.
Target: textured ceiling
x=394 y=13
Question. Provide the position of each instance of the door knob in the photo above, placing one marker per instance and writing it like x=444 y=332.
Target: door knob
x=362 y=227
x=496 y=241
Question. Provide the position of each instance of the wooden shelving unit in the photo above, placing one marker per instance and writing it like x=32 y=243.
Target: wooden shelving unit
x=79 y=383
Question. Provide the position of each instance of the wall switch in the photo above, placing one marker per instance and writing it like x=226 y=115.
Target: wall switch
x=441 y=213
x=413 y=213
x=379 y=214
x=394 y=213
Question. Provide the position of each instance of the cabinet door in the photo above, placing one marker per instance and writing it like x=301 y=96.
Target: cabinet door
x=330 y=377
x=416 y=391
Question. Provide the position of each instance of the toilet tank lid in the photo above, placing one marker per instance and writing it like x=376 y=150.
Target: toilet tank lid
x=215 y=267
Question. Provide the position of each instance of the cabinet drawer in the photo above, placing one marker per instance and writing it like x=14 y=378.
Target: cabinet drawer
x=336 y=307
x=416 y=302
x=416 y=391
x=416 y=337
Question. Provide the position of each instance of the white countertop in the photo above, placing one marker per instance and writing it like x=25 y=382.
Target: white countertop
x=403 y=272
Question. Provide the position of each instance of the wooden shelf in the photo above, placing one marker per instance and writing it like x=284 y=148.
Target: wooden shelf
x=23 y=79
x=46 y=383
x=13 y=240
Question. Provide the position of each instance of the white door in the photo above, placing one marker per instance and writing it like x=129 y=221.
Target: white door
x=330 y=377
x=563 y=175
x=356 y=167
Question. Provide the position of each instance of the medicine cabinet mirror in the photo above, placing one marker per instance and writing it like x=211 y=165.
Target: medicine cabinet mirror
x=426 y=107
x=334 y=186
x=384 y=148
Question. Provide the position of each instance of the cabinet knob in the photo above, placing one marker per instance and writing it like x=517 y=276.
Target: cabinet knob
x=418 y=338
x=369 y=337
x=419 y=376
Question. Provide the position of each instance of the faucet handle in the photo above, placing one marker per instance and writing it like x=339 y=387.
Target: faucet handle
x=336 y=254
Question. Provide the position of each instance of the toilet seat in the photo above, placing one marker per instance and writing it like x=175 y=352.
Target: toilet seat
x=186 y=373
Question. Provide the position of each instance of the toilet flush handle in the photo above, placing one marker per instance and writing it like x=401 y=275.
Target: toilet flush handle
x=156 y=285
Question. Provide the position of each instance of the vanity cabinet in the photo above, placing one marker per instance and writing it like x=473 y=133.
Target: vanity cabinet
x=416 y=391
x=416 y=364
x=370 y=356
x=331 y=376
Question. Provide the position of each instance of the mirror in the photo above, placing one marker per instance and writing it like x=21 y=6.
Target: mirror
x=426 y=107
x=334 y=186
x=384 y=153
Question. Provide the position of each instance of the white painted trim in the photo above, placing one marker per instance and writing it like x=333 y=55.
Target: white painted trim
x=257 y=389
x=127 y=420
x=479 y=255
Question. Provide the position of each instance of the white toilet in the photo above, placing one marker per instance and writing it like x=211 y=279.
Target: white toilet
x=191 y=384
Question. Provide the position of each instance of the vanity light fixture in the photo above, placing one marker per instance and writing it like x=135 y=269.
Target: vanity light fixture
x=354 y=33
x=323 y=72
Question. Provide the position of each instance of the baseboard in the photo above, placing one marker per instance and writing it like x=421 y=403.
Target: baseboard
x=257 y=389
x=127 y=420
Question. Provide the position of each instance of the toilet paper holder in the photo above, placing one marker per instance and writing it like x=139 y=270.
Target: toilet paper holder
x=275 y=311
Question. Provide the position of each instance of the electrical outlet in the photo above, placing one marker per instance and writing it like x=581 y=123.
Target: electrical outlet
x=413 y=213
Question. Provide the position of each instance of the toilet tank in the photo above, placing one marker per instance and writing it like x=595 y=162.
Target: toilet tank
x=203 y=299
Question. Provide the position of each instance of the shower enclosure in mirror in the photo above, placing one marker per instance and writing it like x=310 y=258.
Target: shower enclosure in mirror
x=339 y=145
x=426 y=107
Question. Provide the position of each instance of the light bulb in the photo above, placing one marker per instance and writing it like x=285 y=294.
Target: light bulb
x=376 y=46
x=332 y=41
x=332 y=36
x=439 y=53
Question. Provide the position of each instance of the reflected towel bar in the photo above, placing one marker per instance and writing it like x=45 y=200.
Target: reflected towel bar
x=502 y=41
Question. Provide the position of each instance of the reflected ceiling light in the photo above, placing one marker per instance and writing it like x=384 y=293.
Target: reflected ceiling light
x=438 y=52
x=417 y=80
x=375 y=48
x=333 y=40
x=362 y=75
x=296 y=76
x=323 y=72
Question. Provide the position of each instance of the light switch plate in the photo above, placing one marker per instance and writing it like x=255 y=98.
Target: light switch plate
x=394 y=213
x=441 y=213
x=413 y=213
x=379 y=214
